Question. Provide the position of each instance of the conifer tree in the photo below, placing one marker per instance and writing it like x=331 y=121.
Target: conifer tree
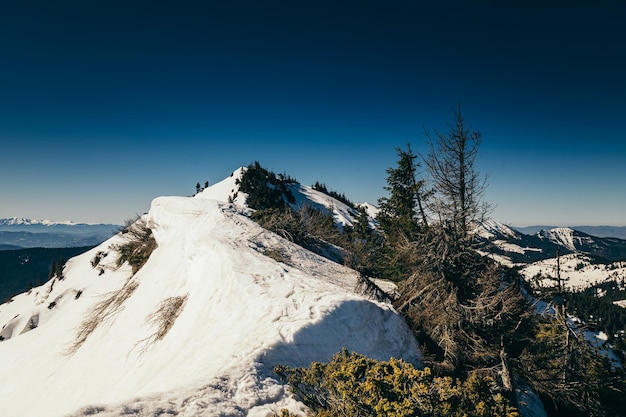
x=403 y=211
x=56 y=268
x=402 y=217
x=361 y=225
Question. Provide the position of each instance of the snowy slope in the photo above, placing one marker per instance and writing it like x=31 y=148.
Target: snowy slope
x=242 y=313
x=491 y=229
x=577 y=270
x=510 y=247
x=560 y=235
x=343 y=215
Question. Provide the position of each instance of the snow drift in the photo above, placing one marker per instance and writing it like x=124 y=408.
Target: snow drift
x=197 y=330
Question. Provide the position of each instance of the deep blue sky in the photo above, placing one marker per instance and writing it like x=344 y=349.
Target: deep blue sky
x=105 y=105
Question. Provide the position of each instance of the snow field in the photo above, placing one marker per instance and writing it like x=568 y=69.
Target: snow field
x=244 y=313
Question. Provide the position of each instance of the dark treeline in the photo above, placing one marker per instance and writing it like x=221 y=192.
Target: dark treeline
x=596 y=308
x=336 y=195
x=23 y=269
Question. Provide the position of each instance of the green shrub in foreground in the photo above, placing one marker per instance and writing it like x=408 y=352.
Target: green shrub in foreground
x=354 y=385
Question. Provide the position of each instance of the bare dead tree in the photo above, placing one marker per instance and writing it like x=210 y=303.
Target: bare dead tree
x=459 y=187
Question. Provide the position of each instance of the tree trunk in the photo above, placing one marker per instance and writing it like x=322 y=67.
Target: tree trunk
x=506 y=374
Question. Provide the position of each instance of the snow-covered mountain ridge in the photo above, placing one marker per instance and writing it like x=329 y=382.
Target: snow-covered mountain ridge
x=576 y=241
x=585 y=260
x=599 y=231
x=241 y=312
x=521 y=248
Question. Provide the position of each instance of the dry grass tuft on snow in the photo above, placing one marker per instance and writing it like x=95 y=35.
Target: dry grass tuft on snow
x=276 y=255
x=139 y=245
x=165 y=316
x=102 y=311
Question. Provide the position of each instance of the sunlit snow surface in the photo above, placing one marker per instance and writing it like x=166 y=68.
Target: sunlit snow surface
x=245 y=313
x=577 y=271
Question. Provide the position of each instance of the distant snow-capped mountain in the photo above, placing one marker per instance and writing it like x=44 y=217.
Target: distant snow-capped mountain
x=561 y=236
x=584 y=260
x=33 y=225
x=512 y=247
x=29 y=233
x=521 y=248
x=12 y=221
x=609 y=248
x=599 y=231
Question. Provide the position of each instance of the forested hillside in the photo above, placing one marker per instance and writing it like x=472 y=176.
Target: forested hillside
x=22 y=269
x=475 y=319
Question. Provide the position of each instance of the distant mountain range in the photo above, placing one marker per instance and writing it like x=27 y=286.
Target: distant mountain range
x=519 y=247
x=16 y=233
x=599 y=231
x=28 y=247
